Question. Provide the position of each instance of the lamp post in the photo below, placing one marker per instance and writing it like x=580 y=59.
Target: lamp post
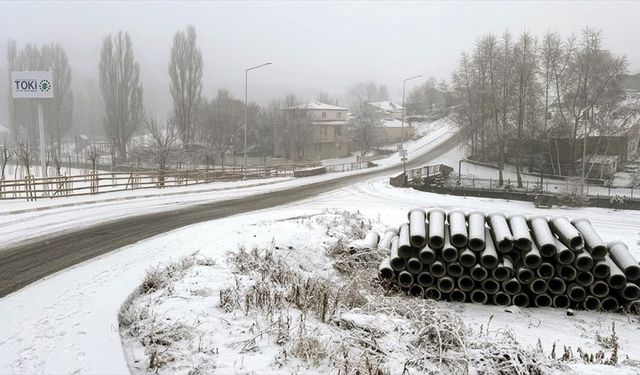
x=246 y=86
x=404 y=86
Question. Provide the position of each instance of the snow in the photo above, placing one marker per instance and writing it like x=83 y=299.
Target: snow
x=321 y=106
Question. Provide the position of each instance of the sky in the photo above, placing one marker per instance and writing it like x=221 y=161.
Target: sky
x=314 y=46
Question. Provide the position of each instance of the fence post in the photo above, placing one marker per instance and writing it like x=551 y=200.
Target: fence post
x=490 y=184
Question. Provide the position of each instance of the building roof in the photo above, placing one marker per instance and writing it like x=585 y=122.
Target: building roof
x=319 y=106
x=386 y=106
x=599 y=159
x=331 y=122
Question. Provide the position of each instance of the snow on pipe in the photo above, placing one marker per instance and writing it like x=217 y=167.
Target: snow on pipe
x=630 y=292
x=398 y=263
x=455 y=269
x=542 y=300
x=583 y=261
x=576 y=293
x=414 y=265
x=601 y=269
x=520 y=232
x=556 y=286
x=466 y=283
x=616 y=279
x=436 y=219
x=591 y=303
x=512 y=286
x=501 y=232
x=478 y=273
x=418 y=227
x=432 y=293
x=476 y=222
x=489 y=256
x=599 y=289
x=564 y=255
x=425 y=279
x=504 y=270
x=387 y=238
x=405 y=279
x=592 y=241
x=545 y=240
x=371 y=240
x=566 y=273
x=416 y=290
x=520 y=300
x=457 y=295
x=490 y=286
x=561 y=301
x=405 y=249
x=525 y=275
x=532 y=257
x=584 y=278
x=384 y=270
x=546 y=270
x=502 y=299
x=449 y=252
x=539 y=286
x=438 y=269
x=624 y=260
x=566 y=232
x=427 y=255
x=610 y=303
x=458 y=228
x=467 y=258
x=478 y=296
x=446 y=284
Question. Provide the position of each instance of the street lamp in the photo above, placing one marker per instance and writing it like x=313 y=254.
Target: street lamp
x=246 y=85
x=404 y=85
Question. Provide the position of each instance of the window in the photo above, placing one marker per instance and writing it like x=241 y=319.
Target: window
x=324 y=131
x=339 y=114
x=324 y=114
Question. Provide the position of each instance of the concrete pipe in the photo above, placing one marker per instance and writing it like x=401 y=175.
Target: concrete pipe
x=476 y=222
x=478 y=273
x=446 y=284
x=454 y=269
x=564 y=255
x=371 y=240
x=478 y=296
x=490 y=286
x=546 y=270
x=385 y=272
x=426 y=255
x=610 y=304
x=405 y=279
x=520 y=232
x=566 y=232
x=525 y=275
x=584 y=278
x=417 y=227
x=592 y=241
x=467 y=258
x=566 y=273
x=630 y=292
x=511 y=286
x=599 y=289
x=501 y=233
x=556 y=286
x=416 y=290
x=405 y=249
x=520 y=300
x=624 y=260
x=576 y=293
x=414 y=265
x=432 y=293
x=457 y=295
x=591 y=303
x=489 y=256
x=466 y=283
x=458 y=229
x=545 y=240
x=542 y=300
x=539 y=286
x=583 y=261
x=601 y=269
x=436 y=228
x=632 y=307
x=617 y=279
x=437 y=269
x=387 y=238
x=425 y=279
x=449 y=252
x=532 y=258
x=502 y=299
x=561 y=301
x=504 y=270
x=398 y=263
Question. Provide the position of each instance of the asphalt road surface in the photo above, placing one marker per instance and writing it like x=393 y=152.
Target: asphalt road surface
x=29 y=262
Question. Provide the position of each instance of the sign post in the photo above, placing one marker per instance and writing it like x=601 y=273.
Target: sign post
x=34 y=85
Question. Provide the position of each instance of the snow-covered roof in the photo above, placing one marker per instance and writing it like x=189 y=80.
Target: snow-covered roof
x=320 y=106
x=599 y=159
x=394 y=123
x=331 y=122
x=4 y=129
x=386 y=106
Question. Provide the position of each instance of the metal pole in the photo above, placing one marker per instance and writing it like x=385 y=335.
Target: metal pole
x=41 y=131
x=246 y=103
x=404 y=85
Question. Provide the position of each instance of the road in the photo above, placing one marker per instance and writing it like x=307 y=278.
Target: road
x=29 y=262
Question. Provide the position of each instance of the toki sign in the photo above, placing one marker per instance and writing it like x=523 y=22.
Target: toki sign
x=32 y=85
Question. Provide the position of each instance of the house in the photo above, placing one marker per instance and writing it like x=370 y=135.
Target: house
x=385 y=109
x=392 y=130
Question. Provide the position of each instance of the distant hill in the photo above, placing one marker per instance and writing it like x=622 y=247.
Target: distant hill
x=630 y=81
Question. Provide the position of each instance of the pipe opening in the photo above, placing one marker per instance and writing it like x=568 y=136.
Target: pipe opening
x=418 y=241
x=538 y=286
x=466 y=284
x=584 y=278
x=584 y=263
x=467 y=260
x=432 y=293
x=450 y=254
x=455 y=269
x=568 y=273
x=457 y=296
x=437 y=269
x=416 y=290
x=599 y=289
x=577 y=294
x=633 y=307
x=386 y=274
x=543 y=300
x=557 y=286
x=632 y=272
x=489 y=261
x=512 y=286
x=521 y=300
x=425 y=279
x=631 y=291
x=591 y=303
x=610 y=304
x=599 y=251
x=561 y=301
x=490 y=286
x=617 y=281
x=436 y=242
x=414 y=266
x=445 y=284
x=601 y=270
x=427 y=256
x=525 y=275
x=505 y=245
x=479 y=273
x=566 y=257
x=459 y=240
x=523 y=244
x=502 y=299
x=476 y=244
x=405 y=279
x=501 y=273
x=548 y=250
x=575 y=242
x=398 y=264
x=478 y=296
x=532 y=260
x=546 y=271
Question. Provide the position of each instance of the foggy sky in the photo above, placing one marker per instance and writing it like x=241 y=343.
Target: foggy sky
x=314 y=46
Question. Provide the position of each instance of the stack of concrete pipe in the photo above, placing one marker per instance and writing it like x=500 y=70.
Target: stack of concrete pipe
x=514 y=260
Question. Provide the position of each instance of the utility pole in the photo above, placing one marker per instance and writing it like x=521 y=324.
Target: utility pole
x=246 y=87
x=403 y=154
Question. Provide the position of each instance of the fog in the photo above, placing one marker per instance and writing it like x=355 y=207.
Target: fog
x=314 y=46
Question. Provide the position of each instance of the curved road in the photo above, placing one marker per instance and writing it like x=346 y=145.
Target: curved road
x=29 y=262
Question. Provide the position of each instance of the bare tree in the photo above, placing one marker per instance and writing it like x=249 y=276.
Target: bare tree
x=222 y=120
x=61 y=106
x=161 y=147
x=365 y=126
x=121 y=90
x=25 y=156
x=185 y=71
x=368 y=91
x=92 y=155
x=5 y=155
